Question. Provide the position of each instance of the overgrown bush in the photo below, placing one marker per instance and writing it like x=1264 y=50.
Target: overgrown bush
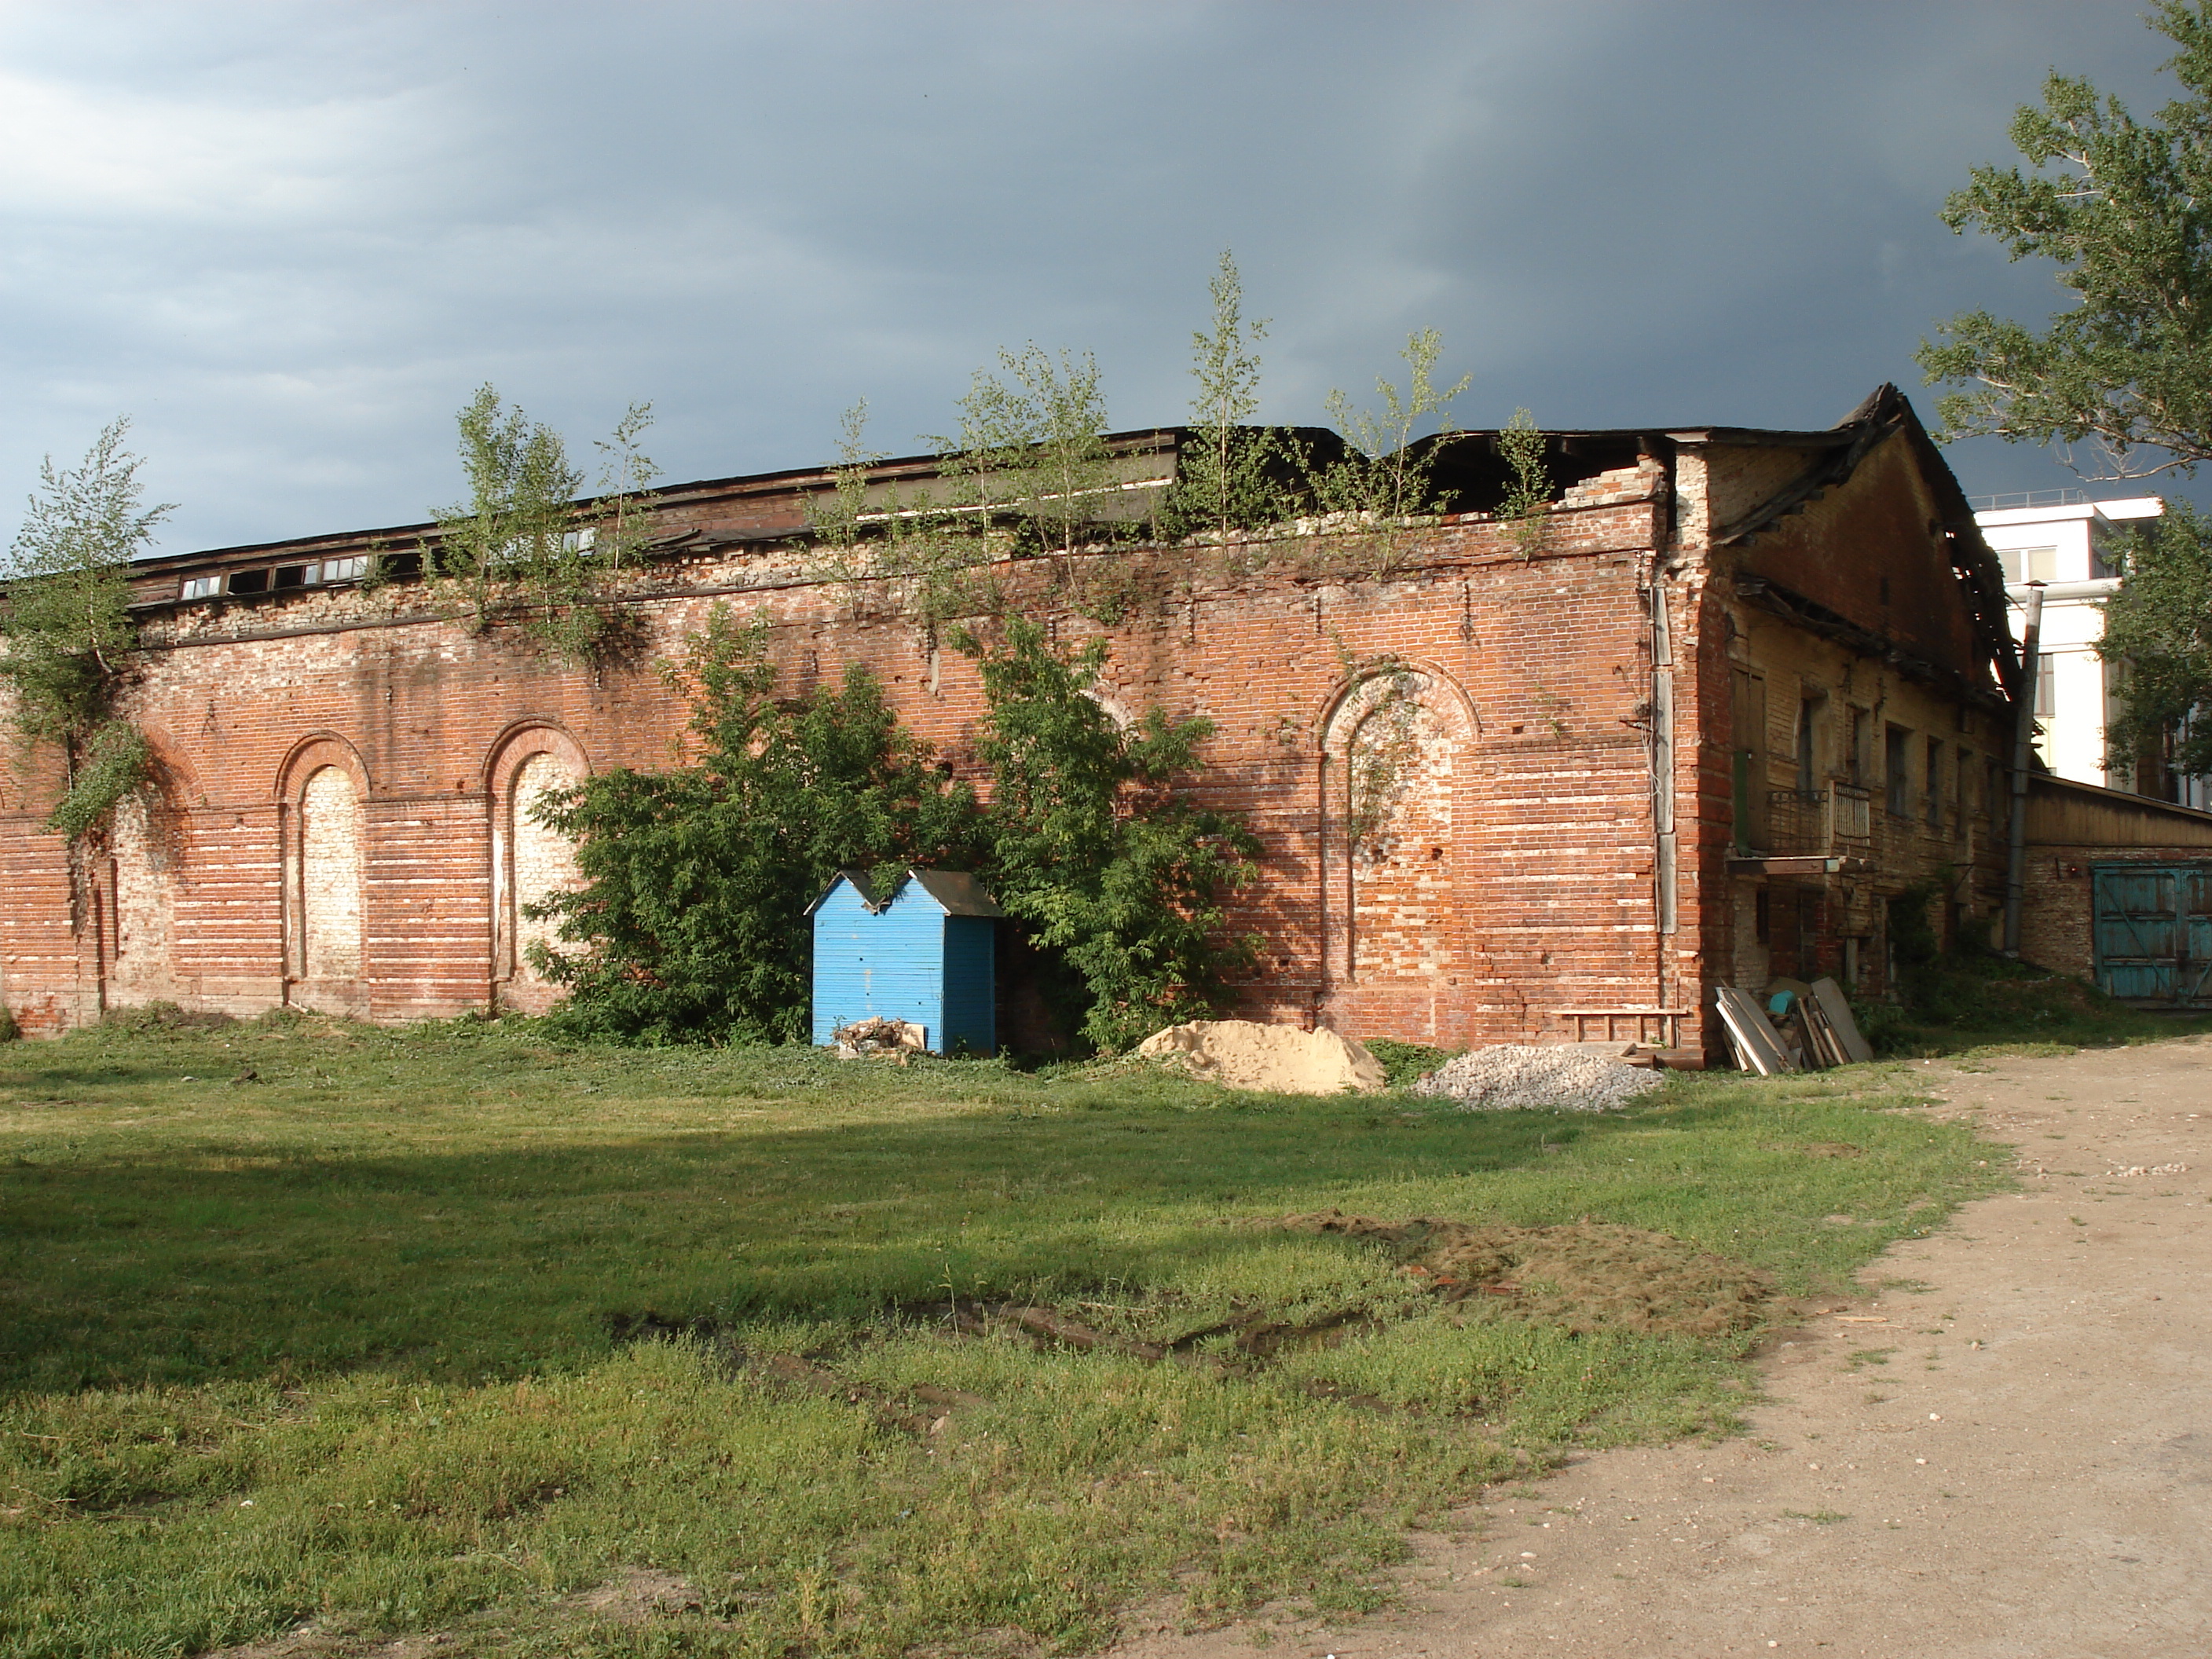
x=1110 y=866
x=1965 y=999
x=68 y=626
x=689 y=924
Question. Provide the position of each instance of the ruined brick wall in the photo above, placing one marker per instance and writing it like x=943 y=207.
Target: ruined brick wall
x=1446 y=744
x=343 y=816
x=1871 y=555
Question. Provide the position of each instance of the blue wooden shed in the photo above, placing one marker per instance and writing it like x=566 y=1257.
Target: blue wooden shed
x=921 y=952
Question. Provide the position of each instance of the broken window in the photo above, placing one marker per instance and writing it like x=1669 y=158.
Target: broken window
x=1897 y=748
x=1932 y=803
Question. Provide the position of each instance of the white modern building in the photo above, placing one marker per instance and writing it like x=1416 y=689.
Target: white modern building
x=2065 y=541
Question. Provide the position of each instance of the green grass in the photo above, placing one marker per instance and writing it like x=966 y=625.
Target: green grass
x=1969 y=1005
x=338 y=1342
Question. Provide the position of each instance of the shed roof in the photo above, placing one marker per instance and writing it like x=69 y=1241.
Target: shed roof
x=957 y=892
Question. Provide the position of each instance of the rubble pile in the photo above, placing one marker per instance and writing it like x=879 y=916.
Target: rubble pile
x=894 y=1038
x=1515 y=1076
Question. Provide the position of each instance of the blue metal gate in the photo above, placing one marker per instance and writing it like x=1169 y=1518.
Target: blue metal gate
x=2153 y=925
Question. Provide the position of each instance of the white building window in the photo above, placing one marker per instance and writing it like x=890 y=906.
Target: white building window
x=2030 y=564
x=203 y=587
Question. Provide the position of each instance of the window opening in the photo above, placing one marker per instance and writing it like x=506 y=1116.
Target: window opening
x=1810 y=709
x=2030 y=564
x=1750 y=760
x=1859 y=760
x=1896 y=745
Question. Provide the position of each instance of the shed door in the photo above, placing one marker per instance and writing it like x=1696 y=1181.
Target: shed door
x=2153 y=932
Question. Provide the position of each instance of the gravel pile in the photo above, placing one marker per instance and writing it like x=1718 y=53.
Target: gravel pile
x=1517 y=1076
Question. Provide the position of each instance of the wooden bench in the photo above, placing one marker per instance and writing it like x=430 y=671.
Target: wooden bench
x=1669 y=1022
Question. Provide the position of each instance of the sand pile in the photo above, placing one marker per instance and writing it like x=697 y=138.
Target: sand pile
x=1518 y=1075
x=1583 y=1276
x=1242 y=1054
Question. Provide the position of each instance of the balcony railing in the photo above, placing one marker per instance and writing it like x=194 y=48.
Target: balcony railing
x=1833 y=822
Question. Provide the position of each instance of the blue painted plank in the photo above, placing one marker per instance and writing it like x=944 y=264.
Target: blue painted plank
x=883 y=965
x=970 y=985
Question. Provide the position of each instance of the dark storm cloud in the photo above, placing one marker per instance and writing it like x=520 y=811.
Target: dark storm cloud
x=291 y=240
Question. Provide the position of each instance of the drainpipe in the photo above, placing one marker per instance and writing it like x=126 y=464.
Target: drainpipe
x=2023 y=747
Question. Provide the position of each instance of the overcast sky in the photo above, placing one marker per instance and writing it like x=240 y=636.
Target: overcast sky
x=291 y=240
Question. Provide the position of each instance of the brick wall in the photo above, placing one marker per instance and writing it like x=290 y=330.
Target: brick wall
x=1444 y=744
x=338 y=756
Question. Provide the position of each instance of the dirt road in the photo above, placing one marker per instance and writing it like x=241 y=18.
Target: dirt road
x=2002 y=1450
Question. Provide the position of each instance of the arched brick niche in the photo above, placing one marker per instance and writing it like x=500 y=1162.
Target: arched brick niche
x=528 y=860
x=1394 y=742
x=322 y=796
x=135 y=901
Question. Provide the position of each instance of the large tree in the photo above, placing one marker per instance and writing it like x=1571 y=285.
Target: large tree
x=2124 y=207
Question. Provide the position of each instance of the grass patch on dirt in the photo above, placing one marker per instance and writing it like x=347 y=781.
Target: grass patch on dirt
x=1960 y=1006
x=945 y=1355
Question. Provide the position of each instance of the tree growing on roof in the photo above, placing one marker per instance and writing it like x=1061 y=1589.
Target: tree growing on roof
x=68 y=626
x=926 y=558
x=1529 y=491
x=1383 y=476
x=1032 y=443
x=522 y=541
x=1229 y=474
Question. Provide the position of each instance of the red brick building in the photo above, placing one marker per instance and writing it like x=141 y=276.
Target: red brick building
x=1745 y=688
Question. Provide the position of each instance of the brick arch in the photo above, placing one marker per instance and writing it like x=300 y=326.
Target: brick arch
x=174 y=774
x=313 y=753
x=1439 y=682
x=526 y=859
x=524 y=738
x=1395 y=742
x=136 y=884
x=323 y=791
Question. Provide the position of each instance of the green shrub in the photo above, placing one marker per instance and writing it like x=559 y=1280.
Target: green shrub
x=1403 y=1063
x=691 y=922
